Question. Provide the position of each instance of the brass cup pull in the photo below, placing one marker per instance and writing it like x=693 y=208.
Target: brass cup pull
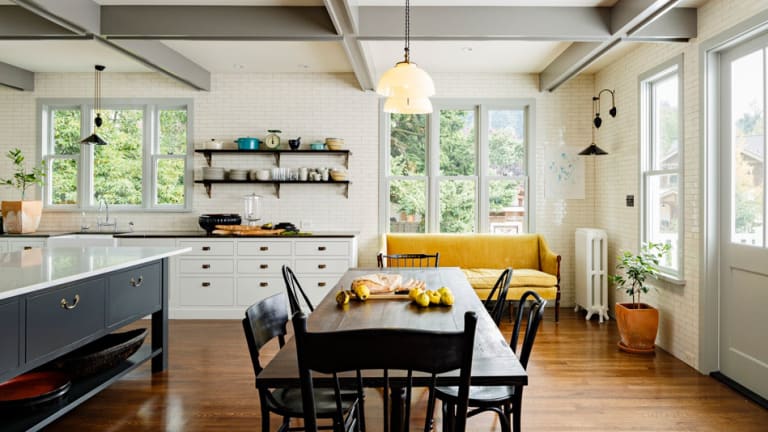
x=321 y=284
x=136 y=282
x=206 y=248
x=264 y=266
x=321 y=266
x=264 y=284
x=264 y=248
x=321 y=248
x=206 y=266
x=206 y=284
x=65 y=304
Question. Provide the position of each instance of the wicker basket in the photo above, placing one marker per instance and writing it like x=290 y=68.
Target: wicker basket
x=101 y=354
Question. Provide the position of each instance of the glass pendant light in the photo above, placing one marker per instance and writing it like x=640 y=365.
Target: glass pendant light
x=407 y=86
x=94 y=138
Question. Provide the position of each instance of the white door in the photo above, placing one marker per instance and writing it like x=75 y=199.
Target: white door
x=743 y=245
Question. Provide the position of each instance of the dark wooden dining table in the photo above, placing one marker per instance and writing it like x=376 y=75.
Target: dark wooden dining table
x=493 y=362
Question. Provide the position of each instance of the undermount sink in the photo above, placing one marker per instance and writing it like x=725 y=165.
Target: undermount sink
x=82 y=240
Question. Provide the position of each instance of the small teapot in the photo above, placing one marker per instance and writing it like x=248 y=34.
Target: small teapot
x=294 y=143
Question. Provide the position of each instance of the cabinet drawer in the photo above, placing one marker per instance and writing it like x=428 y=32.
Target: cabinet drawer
x=322 y=248
x=209 y=247
x=17 y=245
x=321 y=265
x=267 y=248
x=318 y=287
x=61 y=317
x=206 y=291
x=9 y=336
x=253 y=289
x=135 y=292
x=206 y=266
x=265 y=266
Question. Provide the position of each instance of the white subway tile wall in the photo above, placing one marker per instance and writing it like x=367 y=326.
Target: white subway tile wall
x=618 y=173
x=313 y=106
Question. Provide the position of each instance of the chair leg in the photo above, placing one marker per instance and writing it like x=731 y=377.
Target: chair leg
x=557 y=305
x=429 y=423
x=449 y=416
x=516 y=424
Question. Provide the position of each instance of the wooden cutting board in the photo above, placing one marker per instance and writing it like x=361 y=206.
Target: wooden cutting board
x=245 y=231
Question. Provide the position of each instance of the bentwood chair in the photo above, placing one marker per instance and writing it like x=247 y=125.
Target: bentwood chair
x=408 y=260
x=388 y=349
x=263 y=322
x=296 y=293
x=505 y=401
x=495 y=301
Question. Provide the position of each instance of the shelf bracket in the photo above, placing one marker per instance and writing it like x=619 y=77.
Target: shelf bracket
x=277 y=158
x=346 y=190
x=207 y=189
x=277 y=189
x=346 y=161
x=207 y=156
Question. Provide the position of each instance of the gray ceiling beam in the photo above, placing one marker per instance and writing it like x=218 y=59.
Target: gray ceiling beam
x=78 y=16
x=160 y=57
x=16 y=78
x=628 y=18
x=343 y=15
x=217 y=23
x=19 y=23
x=487 y=23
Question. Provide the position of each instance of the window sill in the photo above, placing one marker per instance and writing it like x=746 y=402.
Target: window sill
x=672 y=280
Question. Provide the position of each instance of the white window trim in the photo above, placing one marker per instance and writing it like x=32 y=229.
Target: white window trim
x=481 y=108
x=84 y=159
x=671 y=67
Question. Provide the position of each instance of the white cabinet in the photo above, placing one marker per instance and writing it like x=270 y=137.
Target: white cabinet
x=221 y=277
x=24 y=243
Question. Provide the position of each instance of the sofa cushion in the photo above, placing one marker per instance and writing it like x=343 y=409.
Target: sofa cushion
x=486 y=278
x=514 y=293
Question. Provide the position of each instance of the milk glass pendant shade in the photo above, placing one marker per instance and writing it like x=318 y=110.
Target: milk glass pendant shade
x=407 y=105
x=407 y=86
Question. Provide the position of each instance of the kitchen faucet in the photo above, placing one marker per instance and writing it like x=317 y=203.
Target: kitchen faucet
x=106 y=222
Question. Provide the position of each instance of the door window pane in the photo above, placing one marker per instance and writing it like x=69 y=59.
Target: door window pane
x=748 y=149
x=117 y=165
x=506 y=143
x=66 y=131
x=506 y=206
x=666 y=124
x=407 y=205
x=408 y=144
x=173 y=132
x=663 y=214
x=170 y=181
x=457 y=143
x=457 y=206
x=63 y=178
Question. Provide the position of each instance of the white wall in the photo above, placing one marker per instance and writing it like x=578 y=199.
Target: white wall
x=619 y=176
x=312 y=106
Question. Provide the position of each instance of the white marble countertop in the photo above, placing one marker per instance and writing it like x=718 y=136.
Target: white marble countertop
x=27 y=271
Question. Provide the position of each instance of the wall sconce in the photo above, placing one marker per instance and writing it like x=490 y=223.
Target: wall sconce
x=593 y=149
x=596 y=107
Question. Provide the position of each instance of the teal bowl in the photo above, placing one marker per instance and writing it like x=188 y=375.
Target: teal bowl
x=317 y=146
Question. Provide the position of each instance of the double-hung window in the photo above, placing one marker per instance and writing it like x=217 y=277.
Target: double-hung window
x=144 y=165
x=463 y=168
x=661 y=160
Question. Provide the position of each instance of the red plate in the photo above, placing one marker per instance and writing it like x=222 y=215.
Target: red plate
x=33 y=388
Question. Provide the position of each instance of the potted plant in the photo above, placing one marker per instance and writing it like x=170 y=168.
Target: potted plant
x=638 y=322
x=22 y=216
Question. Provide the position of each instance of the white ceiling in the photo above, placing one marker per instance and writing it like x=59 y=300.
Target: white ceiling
x=65 y=56
x=265 y=56
x=211 y=2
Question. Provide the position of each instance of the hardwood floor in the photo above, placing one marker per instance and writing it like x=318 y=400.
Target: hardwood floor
x=579 y=381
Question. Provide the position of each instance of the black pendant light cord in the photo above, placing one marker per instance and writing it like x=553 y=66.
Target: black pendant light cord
x=97 y=96
x=407 y=31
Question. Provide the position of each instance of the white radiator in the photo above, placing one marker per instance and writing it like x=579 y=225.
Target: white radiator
x=592 y=272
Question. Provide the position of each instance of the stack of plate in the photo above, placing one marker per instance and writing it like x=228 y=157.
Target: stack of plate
x=213 y=173
x=238 y=174
x=334 y=143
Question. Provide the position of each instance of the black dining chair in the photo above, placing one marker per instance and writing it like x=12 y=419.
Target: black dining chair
x=496 y=299
x=296 y=293
x=263 y=322
x=408 y=260
x=387 y=350
x=505 y=401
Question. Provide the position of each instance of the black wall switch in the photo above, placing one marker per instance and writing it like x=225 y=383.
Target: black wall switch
x=630 y=200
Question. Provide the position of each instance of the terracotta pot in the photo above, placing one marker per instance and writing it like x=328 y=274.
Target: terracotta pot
x=638 y=325
x=21 y=217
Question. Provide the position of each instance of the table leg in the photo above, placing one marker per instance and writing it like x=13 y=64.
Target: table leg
x=397 y=410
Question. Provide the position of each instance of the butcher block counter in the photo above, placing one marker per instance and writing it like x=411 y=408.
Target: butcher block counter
x=53 y=301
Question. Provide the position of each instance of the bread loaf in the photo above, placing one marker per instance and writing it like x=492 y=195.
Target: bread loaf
x=379 y=283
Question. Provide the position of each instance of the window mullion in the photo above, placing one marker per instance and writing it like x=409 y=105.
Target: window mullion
x=149 y=148
x=433 y=170
x=483 y=162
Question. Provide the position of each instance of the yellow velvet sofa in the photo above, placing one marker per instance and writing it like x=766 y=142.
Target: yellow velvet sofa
x=482 y=258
